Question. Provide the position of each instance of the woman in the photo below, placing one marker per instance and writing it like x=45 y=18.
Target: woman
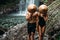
x=42 y=16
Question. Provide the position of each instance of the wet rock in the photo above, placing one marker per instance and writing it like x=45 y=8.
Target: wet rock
x=8 y=10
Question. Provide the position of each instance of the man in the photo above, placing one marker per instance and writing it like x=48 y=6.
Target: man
x=42 y=16
x=31 y=17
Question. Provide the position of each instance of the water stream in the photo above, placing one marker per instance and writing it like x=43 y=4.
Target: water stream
x=23 y=7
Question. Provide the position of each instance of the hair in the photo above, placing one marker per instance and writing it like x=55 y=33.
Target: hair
x=32 y=8
x=43 y=9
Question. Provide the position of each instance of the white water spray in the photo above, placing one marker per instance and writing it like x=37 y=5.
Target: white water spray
x=23 y=7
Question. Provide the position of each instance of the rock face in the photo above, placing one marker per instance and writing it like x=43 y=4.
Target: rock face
x=9 y=6
x=2 y=30
x=17 y=32
x=53 y=23
x=6 y=10
x=53 y=12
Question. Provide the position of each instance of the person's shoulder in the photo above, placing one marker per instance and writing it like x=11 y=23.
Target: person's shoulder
x=27 y=13
x=35 y=14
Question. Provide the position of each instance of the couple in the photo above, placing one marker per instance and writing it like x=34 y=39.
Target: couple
x=36 y=20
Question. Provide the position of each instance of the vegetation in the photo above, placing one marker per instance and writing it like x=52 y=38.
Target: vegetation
x=45 y=0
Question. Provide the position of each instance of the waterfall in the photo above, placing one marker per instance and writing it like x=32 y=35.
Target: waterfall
x=31 y=1
x=23 y=13
x=23 y=7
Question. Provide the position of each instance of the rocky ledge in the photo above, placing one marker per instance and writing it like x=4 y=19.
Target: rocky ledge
x=9 y=9
x=18 y=32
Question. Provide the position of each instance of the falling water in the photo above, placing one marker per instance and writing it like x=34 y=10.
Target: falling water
x=23 y=7
x=27 y=3
x=31 y=1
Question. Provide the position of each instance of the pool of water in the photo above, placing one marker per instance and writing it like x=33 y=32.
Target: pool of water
x=7 y=21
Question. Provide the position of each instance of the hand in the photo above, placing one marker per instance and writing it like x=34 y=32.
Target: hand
x=35 y=14
x=41 y=15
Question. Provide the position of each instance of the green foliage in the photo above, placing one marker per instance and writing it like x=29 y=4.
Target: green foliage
x=45 y=0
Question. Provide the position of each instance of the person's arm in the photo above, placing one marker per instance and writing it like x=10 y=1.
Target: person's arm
x=46 y=17
x=37 y=22
x=27 y=16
